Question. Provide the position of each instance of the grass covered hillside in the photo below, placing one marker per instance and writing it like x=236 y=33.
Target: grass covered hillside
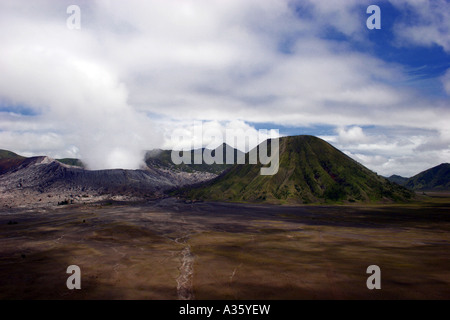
x=434 y=179
x=8 y=160
x=5 y=154
x=311 y=171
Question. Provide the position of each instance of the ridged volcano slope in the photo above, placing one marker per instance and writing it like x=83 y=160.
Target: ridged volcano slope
x=310 y=171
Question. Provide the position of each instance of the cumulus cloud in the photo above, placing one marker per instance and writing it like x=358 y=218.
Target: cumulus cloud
x=446 y=81
x=53 y=71
x=393 y=150
x=427 y=23
x=190 y=135
x=351 y=135
x=138 y=70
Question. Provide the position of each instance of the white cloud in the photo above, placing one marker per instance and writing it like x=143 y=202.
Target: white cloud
x=342 y=15
x=446 y=81
x=55 y=73
x=351 y=135
x=393 y=150
x=137 y=70
x=189 y=135
x=431 y=22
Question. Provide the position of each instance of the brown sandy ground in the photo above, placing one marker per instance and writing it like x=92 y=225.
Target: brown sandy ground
x=168 y=249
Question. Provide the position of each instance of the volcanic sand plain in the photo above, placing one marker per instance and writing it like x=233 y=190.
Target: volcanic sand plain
x=172 y=249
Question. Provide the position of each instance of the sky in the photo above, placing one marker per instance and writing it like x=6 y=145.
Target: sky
x=134 y=72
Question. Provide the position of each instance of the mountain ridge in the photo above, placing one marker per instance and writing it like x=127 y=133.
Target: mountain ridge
x=45 y=180
x=434 y=179
x=162 y=159
x=311 y=171
x=397 y=179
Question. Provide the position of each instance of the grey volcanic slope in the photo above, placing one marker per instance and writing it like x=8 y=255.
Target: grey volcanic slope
x=43 y=175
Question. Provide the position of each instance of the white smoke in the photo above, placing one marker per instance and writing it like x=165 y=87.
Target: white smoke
x=87 y=102
x=89 y=92
x=58 y=74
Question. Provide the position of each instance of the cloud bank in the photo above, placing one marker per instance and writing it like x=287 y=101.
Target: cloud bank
x=137 y=70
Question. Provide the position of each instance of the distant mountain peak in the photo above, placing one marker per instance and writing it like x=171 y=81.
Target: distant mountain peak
x=398 y=179
x=6 y=154
x=433 y=179
x=311 y=171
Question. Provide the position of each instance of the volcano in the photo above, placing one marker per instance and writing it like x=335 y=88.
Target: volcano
x=310 y=171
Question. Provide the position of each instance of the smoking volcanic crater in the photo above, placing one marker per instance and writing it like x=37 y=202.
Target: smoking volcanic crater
x=150 y=245
x=310 y=171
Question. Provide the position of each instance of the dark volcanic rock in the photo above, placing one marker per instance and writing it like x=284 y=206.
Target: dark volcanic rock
x=39 y=175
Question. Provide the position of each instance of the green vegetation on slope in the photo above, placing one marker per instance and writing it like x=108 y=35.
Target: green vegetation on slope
x=5 y=154
x=398 y=179
x=9 y=160
x=436 y=179
x=311 y=171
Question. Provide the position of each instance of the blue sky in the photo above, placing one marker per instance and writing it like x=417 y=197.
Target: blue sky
x=424 y=65
x=135 y=72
